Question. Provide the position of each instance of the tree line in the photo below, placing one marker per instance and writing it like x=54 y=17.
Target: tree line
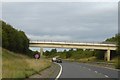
x=13 y=39
x=71 y=53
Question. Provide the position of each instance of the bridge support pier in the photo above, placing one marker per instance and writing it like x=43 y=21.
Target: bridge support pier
x=107 y=55
x=41 y=51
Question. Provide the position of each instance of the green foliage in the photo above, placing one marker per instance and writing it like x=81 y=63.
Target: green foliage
x=118 y=44
x=116 y=40
x=51 y=53
x=19 y=66
x=113 y=39
x=73 y=54
x=68 y=54
x=100 y=54
x=117 y=65
x=13 y=39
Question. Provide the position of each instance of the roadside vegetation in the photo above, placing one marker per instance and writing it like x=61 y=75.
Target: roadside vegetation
x=73 y=55
x=116 y=39
x=21 y=66
x=17 y=59
x=14 y=40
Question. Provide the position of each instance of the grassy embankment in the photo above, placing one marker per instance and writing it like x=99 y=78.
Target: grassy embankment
x=21 y=66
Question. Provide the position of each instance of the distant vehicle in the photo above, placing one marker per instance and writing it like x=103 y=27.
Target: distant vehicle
x=58 y=60
x=54 y=59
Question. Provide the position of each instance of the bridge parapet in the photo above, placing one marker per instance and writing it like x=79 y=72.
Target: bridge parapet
x=75 y=43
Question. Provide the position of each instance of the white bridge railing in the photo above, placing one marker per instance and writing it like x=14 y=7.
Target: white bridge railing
x=76 y=42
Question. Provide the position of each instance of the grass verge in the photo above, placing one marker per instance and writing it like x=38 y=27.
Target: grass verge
x=20 y=66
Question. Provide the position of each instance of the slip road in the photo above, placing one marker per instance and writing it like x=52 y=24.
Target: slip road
x=82 y=70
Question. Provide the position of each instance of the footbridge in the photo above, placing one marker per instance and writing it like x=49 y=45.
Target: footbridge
x=81 y=45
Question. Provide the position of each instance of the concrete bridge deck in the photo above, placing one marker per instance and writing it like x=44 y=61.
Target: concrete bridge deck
x=82 y=45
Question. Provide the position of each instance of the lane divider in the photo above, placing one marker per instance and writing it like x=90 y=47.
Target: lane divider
x=103 y=67
x=89 y=69
x=96 y=72
x=59 y=72
x=106 y=76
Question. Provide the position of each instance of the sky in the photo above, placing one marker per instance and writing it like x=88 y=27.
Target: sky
x=59 y=0
x=63 y=21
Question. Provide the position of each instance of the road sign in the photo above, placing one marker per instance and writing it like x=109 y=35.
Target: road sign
x=37 y=56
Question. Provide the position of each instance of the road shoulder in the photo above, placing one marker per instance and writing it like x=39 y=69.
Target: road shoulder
x=50 y=72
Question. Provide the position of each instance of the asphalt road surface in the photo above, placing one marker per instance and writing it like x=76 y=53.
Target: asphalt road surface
x=82 y=70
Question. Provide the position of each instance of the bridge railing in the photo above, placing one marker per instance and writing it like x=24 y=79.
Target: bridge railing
x=74 y=42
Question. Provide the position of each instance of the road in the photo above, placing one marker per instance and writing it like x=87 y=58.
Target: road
x=82 y=70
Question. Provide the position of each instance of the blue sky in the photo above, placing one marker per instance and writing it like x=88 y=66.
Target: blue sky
x=63 y=21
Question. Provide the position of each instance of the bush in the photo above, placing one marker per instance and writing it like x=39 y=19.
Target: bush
x=117 y=65
x=100 y=54
x=68 y=55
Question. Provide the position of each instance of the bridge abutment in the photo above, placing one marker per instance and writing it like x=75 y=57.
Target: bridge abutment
x=107 y=55
x=41 y=51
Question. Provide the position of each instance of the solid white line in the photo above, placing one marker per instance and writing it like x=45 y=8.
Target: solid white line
x=59 y=72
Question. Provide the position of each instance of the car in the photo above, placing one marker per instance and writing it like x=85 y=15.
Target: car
x=54 y=59
x=59 y=60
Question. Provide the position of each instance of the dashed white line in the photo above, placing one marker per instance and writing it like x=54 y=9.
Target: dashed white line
x=103 y=67
x=89 y=69
x=106 y=76
x=96 y=72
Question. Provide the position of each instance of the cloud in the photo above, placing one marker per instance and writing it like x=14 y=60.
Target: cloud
x=48 y=37
x=82 y=21
x=60 y=0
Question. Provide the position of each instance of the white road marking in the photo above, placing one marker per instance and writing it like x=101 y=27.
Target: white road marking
x=89 y=69
x=106 y=76
x=84 y=67
x=96 y=72
x=103 y=67
x=59 y=72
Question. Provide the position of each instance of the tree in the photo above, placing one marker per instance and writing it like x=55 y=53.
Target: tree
x=13 y=39
x=47 y=53
x=5 y=42
x=118 y=44
x=68 y=54
x=100 y=54
x=53 y=51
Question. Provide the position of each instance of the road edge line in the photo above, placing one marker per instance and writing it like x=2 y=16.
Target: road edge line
x=59 y=71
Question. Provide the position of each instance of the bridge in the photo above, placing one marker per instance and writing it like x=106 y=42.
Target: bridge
x=81 y=45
